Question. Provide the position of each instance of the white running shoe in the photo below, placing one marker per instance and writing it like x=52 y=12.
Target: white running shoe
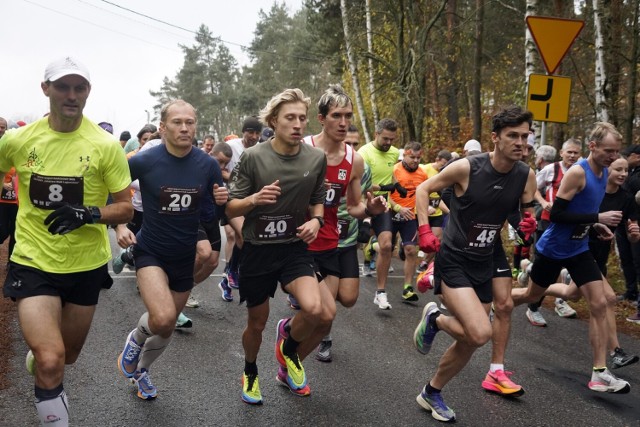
x=192 y=302
x=607 y=382
x=381 y=301
x=563 y=309
x=535 y=317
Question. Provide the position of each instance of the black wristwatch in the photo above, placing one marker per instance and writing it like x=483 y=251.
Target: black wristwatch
x=95 y=213
x=320 y=220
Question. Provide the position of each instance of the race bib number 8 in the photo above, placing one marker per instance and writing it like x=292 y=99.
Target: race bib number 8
x=481 y=237
x=44 y=190
x=275 y=227
x=179 y=201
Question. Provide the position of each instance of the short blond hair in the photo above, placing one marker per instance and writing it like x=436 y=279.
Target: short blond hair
x=601 y=130
x=271 y=110
x=164 y=111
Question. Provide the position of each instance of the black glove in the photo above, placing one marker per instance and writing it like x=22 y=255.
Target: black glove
x=364 y=232
x=401 y=190
x=66 y=218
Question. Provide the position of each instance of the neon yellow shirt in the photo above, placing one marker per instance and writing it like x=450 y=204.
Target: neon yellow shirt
x=381 y=164
x=79 y=167
x=434 y=198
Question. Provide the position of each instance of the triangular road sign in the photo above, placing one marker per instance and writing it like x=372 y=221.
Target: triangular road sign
x=554 y=37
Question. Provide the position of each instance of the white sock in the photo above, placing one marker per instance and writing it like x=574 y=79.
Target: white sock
x=53 y=412
x=142 y=332
x=153 y=348
x=496 y=367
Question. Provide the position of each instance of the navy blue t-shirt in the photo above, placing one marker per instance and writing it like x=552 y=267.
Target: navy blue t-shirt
x=174 y=191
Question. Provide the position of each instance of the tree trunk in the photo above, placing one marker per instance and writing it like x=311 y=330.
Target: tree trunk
x=453 y=115
x=633 y=75
x=530 y=60
x=476 y=111
x=354 y=70
x=372 y=86
x=613 y=57
x=602 y=111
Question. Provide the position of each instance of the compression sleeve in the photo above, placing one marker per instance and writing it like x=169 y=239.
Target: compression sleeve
x=560 y=215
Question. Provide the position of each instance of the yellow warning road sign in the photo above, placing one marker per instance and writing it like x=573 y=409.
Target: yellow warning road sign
x=554 y=37
x=548 y=98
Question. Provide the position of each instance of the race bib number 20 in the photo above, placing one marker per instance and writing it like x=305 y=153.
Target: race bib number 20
x=179 y=201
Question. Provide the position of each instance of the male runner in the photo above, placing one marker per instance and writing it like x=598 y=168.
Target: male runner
x=277 y=186
x=174 y=179
x=486 y=189
x=565 y=243
x=344 y=172
x=67 y=167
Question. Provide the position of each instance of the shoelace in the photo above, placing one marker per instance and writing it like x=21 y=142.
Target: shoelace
x=250 y=380
x=134 y=350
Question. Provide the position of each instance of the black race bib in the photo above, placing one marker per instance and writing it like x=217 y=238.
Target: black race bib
x=44 y=190
x=275 y=227
x=179 y=201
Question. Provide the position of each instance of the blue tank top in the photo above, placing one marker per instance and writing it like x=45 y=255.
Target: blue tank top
x=561 y=241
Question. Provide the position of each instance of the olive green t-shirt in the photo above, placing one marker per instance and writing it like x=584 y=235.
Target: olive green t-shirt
x=301 y=179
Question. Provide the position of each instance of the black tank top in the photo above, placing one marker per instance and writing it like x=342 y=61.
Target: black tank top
x=478 y=215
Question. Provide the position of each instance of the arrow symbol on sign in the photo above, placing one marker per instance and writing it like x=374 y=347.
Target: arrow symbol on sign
x=545 y=97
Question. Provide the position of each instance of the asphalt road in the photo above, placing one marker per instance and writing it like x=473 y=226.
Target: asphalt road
x=373 y=380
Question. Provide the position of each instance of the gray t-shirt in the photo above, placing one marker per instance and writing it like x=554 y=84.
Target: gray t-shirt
x=301 y=179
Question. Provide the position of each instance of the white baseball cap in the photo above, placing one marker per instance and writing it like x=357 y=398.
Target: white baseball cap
x=64 y=67
x=472 y=145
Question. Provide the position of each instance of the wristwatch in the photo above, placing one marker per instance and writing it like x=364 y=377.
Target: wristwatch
x=320 y=220
x=95 y=213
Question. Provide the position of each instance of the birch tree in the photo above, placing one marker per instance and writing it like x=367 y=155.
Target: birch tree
x=372 y=86
x=602 y=111
x=353 y=69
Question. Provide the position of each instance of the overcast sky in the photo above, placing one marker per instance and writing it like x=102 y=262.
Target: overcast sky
x=127 y=54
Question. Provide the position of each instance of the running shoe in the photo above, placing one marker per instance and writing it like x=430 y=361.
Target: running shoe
x=366 y=270
x=281 y=377
x=232 y=277
x=425 y=333
x=296 y=377
x=563 y=309
x=293 y=302
x=401 y=254
x=192 y=302
x=422 y=266
x=434 y=403
x=146 y=389
x=391 y=269
x=251 y=389
x=323 y=352
x=523 y=276
x=620 y=358
x=30 y=363
x=227 y=295
x=381 y=301
x=515 y=272
x=634 y=318
x=128 y=359
x=372 y=265
x=425 y=279
x=565 y=277
x=492 y=312
x=117 y=264
x=605 y=381
x=281 y=335
x=408 y=295
x=535 y=318
x=183 y=321
x=500 y=382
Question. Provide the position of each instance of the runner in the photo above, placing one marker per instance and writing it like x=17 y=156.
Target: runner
x=487 y=188
x=565 y=244
x=277 y=186
x=175 y=178
x=67 y=166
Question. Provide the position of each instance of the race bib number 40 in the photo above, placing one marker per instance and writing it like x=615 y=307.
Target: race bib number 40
x=179 y=201
x=481 y=237
x=275 y=227
x=44 y=190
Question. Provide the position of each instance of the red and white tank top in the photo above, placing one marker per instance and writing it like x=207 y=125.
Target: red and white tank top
x=338 y=177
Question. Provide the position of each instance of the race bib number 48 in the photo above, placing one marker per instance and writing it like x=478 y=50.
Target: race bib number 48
x=481 y=237
x=44 y=190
